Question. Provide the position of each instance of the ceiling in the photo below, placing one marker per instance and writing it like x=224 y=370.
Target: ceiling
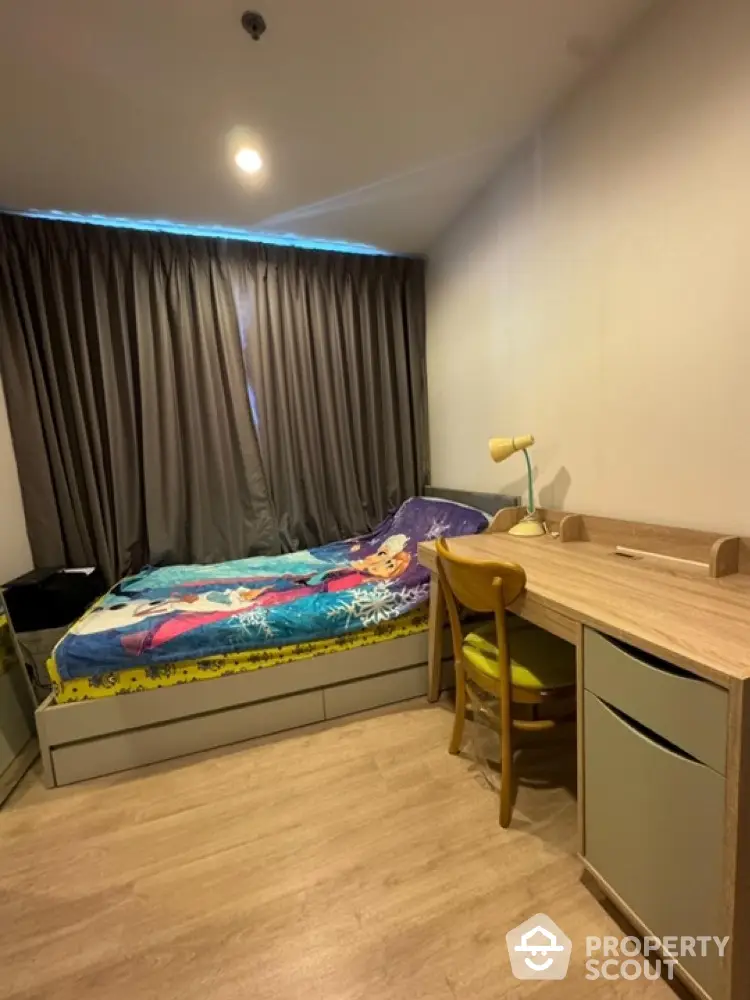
x=377 y=120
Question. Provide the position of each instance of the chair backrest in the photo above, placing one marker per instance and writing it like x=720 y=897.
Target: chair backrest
x=480 y=585
x=473 y=581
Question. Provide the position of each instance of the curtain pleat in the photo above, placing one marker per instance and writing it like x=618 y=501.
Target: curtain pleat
x=336 y=358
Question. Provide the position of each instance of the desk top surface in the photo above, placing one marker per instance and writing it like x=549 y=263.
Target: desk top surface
x=678 y=613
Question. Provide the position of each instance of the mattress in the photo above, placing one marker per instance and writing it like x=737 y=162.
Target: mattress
x=103 y=685
x=180 y=623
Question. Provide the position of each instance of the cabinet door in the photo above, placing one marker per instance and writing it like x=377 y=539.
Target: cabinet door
x=16 y=715
x=654 y=823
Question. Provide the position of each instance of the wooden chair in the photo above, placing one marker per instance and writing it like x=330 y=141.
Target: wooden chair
x=519 y=666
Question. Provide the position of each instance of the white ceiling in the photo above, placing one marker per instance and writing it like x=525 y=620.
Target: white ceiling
x=378 y=118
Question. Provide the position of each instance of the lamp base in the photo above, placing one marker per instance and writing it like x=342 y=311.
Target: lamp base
x=529 y=527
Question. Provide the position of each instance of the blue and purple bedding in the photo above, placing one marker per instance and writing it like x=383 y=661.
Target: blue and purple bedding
x=180 y=613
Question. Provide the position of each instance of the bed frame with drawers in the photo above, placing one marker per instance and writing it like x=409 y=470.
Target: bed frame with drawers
x=87 y=739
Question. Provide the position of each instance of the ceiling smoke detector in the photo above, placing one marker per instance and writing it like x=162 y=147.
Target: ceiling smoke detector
x=254 y=24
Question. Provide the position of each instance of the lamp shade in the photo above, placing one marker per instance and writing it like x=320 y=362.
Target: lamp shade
x=502 y=448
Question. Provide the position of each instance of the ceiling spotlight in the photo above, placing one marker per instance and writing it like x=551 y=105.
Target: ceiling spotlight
x=248 y=160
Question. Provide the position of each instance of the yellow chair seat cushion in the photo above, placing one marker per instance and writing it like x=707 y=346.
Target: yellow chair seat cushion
x=539 y=660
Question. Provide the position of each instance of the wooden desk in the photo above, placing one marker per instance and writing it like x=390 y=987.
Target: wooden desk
x=698 y=626
x=679 y=614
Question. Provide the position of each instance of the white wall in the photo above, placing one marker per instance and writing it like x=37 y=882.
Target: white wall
x=15 y=555
x=598 y=295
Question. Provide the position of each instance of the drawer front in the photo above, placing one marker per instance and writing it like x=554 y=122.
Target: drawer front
x=686 y=710
x=136 y=747
x=372 y=692
x=654 y=824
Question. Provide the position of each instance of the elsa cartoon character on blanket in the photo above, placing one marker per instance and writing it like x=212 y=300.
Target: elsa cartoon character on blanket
x=167 y=618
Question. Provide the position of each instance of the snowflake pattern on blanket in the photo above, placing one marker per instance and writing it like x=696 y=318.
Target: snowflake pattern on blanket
x=179 y=613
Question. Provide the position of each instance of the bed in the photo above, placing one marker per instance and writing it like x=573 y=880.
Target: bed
x=180 y=659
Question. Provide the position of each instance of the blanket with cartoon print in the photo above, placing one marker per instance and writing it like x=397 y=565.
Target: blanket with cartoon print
x=176 y=613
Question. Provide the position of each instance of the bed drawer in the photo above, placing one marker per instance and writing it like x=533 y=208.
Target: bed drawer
x=136 y=747
x=372 y=692
x=685 y=710
x=654 y=828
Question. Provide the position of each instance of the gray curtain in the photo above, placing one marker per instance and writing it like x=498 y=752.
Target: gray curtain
x=335 y=354
x=122 y=365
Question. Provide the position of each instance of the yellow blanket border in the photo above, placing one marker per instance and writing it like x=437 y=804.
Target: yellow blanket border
x=208 y=667
x=8 y=658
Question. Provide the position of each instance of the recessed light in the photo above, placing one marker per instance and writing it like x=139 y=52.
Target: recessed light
x=248 y=160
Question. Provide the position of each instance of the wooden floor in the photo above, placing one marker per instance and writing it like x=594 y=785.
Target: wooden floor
x=359 y=862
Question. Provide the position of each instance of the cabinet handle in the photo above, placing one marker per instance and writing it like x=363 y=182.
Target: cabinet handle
x=648 y=734
x=650 y=660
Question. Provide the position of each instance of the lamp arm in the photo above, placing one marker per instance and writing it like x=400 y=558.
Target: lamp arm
x=531 y=507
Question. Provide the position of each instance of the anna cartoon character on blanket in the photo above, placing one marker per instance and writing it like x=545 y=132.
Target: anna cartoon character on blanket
x=191 y=610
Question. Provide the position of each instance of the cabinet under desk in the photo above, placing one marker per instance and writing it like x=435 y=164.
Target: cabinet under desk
x=661 y=620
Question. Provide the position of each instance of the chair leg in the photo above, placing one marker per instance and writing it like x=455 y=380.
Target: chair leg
x=506 y=759
x=460 y=716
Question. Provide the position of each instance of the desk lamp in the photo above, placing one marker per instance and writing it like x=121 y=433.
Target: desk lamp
x=502 y=448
